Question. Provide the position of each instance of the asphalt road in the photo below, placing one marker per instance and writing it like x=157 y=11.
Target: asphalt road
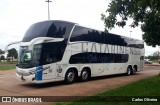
x=10 y=86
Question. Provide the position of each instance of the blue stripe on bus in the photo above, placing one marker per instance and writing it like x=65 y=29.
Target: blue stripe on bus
x=39 y=74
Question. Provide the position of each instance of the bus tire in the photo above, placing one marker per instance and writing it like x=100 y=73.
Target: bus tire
x=85 y=75
x=70 y=76
x=129 y=71
x=134 y=70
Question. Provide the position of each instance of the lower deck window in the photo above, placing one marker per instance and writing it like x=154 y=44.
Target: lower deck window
x=90 y=57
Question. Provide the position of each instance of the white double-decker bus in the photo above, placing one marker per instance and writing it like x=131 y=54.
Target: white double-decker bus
x=60 y=50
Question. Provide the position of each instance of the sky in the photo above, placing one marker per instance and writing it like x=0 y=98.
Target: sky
x=17 y=15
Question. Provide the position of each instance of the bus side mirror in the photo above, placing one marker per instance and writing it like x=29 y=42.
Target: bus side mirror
x=6 y=48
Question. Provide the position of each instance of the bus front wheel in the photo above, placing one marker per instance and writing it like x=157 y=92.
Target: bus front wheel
x=70 y=76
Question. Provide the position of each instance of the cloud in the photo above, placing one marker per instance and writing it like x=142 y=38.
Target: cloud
x=17 y=15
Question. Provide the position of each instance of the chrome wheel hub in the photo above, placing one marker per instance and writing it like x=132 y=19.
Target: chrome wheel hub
x=70 y=76
x=129 y=71
x=84 y=75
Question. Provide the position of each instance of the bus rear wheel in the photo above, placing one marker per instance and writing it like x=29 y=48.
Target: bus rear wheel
x=129 y=71
x=70 y=76
x=84 y=75
x=134 y=70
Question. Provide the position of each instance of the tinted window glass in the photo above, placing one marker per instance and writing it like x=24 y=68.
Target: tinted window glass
x=81 y=34
x=28 y=59
x=36 y=54
x=36 y=30
x=59 y=30
x=56 y=29
x=52 y=52
x=90 y=57
x=135 y=43
x=85 y=34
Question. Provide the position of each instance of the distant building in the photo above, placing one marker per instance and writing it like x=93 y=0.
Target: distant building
x=1 y=55
x=10 y=59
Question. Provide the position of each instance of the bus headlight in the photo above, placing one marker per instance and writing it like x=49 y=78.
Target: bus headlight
x=32 y=71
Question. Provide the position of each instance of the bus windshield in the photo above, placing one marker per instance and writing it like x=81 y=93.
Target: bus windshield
x=24 y=57
x=28 y=59
x=42 y=54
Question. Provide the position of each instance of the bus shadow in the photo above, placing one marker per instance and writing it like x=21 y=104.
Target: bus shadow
x=78 y=81
x=44 y=85
x=111 y=76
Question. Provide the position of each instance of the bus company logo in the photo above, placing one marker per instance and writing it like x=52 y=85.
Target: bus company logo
x=6 y=99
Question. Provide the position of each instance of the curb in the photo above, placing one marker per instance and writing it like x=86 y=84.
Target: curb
x=151 y=64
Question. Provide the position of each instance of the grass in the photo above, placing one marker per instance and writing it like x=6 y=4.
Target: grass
x=141 y=88
x=8 y=62
x=7 y=67
x=154 y=61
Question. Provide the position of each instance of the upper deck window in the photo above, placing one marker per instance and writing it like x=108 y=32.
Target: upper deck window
x=55 y=29
x=90 y=35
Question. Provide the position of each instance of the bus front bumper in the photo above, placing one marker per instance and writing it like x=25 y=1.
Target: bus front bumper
x=29 y=78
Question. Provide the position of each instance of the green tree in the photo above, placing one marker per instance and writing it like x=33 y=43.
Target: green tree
x=145 y=13
x=12 y=53
x=153 y=56
x=156 y=53
x=2 y=58
x=1 y=52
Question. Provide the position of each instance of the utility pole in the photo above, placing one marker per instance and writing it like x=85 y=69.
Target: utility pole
x=158 y=55
x=130 y=33
x=48 y=1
